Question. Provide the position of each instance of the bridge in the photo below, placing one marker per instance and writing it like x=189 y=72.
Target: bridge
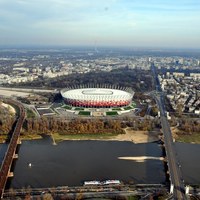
x=10 y=153
x=177 y=186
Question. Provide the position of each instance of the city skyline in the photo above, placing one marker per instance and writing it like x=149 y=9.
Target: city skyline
x=152 y=23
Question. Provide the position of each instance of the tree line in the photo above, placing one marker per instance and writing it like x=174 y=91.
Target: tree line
x=189 y=126
x=45 y=125
x=74 y=126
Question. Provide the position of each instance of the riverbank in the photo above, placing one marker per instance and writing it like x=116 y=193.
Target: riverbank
x=138 y=136
x=9 y=107
x=129 y=135
x=193 y=138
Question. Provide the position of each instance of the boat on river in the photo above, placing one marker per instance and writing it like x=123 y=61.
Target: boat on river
x=92 y=183
x=111 y=182
x=107 y=182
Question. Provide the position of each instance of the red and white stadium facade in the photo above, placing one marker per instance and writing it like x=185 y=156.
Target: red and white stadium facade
x=97 y=97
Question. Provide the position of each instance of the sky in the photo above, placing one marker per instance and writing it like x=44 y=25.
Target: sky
x=132 y=23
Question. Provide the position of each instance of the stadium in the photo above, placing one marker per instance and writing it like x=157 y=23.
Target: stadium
x=97 y=97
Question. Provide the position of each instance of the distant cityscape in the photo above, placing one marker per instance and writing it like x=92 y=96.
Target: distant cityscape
x=26 y=66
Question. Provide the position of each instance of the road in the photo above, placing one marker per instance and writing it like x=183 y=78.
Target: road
x=28 y=90
x=173 y=165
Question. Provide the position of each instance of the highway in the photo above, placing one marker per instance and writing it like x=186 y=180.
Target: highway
x=173 y=165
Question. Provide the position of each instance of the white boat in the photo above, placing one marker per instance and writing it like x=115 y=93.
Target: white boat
x=92 y=183
x=108 y=182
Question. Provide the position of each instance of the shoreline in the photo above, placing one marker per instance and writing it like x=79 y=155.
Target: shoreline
x=135 y=137
x=9 y=107
x=130 y=136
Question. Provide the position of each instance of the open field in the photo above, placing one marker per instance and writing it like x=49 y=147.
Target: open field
x=130 y=135
x=187 y=138
x=86 y=113
x=111 y=113
x=194 y=138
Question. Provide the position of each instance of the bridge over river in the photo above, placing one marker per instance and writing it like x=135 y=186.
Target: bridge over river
x=10 y=153
x=176 y=180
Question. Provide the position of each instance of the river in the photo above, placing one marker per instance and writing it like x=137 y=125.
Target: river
x=189 y=159
x=72 y=162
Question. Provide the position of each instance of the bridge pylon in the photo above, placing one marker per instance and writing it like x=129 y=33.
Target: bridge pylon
x=10 y=174
x=19 y=141
x=187 y=189
x=171 y=188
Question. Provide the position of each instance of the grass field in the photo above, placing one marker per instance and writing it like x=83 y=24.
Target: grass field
x=67 y=107
x=30 y=113
x=118 y=109
x=194 y=138
x=111 y=113
x=128 y=108
x=86 y=113
x=133 y=104
x=78 y=108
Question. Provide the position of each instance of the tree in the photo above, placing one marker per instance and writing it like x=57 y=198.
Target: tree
x=179 y=109
x=47 y=196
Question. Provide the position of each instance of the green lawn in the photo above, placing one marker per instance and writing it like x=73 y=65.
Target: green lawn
x=128 y=108
x=30 y=113
x=111 y=113
x=78 y=108
x=194 y=138
x=87 y=113
x=133 y=104
x=67 y=107
x=118 y=109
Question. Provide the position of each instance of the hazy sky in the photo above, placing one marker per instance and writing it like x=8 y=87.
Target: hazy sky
x=137 y=23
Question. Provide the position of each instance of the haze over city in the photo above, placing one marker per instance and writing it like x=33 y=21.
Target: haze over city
x=135 y=23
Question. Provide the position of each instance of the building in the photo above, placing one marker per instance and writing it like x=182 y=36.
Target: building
x=97 y=97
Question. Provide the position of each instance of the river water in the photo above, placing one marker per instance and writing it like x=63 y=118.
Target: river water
x=189 y=159
x=72 y=162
